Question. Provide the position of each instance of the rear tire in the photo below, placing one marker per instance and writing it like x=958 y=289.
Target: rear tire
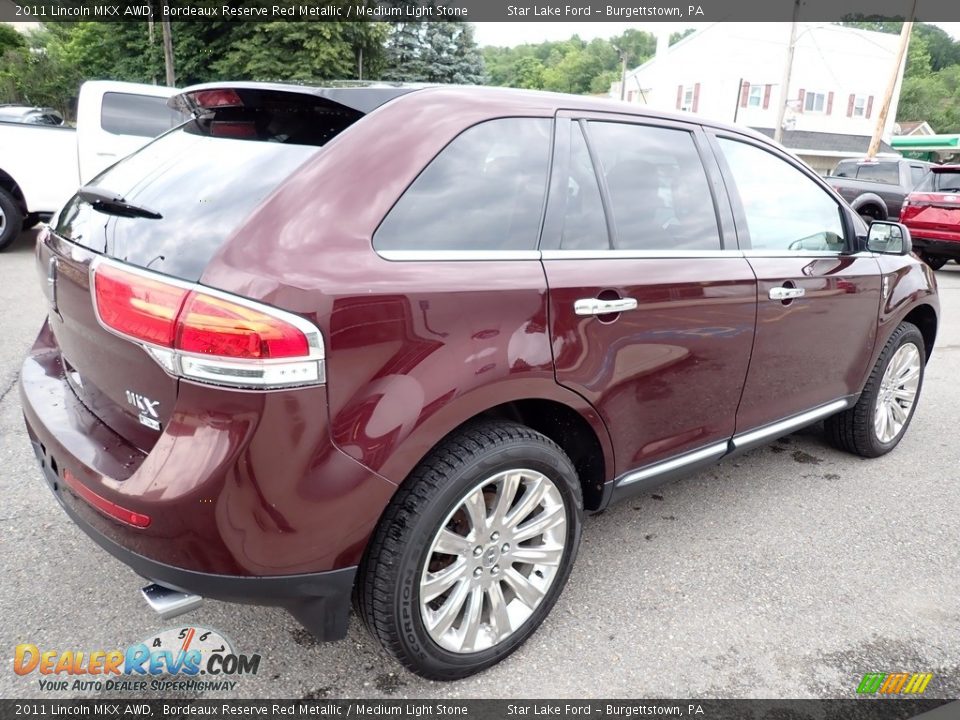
x=453 y=581
x=934 y=261
x=11 y=219
x=891 y=391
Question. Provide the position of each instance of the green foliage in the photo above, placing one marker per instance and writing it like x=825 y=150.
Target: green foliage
x=440 y=52
x=10 y=39
x=931 y=80
x=573 y=65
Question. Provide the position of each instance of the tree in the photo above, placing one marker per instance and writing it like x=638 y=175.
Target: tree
x=440 y=52
x=404 y=54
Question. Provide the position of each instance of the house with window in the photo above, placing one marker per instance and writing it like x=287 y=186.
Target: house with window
x=733 y=72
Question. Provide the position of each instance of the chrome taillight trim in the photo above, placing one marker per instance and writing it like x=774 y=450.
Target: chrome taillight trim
x=269 y=374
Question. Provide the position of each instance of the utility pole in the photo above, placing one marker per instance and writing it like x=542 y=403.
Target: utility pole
x=787 y=71
x=167 y=46
x=892 y=83
x=623 y=72
x=150 y=41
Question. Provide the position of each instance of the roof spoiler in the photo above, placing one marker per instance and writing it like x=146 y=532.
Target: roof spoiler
x=360 y=97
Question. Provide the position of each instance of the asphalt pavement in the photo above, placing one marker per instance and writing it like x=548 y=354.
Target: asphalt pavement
x=787 y=572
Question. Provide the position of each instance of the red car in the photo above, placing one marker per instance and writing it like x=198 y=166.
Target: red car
x=932 y=212
x=391 y=343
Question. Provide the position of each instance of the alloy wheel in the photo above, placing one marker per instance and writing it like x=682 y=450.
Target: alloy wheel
x=898 y=392
x=493 y=560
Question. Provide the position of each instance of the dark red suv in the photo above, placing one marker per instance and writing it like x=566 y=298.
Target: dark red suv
x=390 y=343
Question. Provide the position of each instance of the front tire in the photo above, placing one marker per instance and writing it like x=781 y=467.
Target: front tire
x=876 y=424
x=934 y=261
x=473 y=550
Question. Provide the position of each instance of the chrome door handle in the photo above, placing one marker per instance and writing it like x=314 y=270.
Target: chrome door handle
x=786 y=293
x=595 y=306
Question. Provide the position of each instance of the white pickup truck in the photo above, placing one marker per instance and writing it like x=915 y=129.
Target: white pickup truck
x=42 y=166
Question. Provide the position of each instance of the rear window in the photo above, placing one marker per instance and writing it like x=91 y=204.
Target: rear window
x=940 y=181
x=204 y=178
x=883 y=172
x=140 y=115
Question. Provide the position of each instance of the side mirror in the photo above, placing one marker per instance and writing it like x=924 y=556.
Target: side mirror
x=889 y=238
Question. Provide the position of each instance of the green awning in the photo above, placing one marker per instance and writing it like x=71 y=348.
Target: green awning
x=926 y=142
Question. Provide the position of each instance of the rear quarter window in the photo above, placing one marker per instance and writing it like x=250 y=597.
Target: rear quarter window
x=484 y=191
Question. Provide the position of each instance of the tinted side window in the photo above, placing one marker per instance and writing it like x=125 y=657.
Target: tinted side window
x=584 y=223
x=141 y=115
x=484 y=191
x=659 y=194
x=916 y=174
x=785 y=209
x=880 y=172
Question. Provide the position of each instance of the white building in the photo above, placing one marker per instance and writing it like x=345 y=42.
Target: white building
x=733 y=72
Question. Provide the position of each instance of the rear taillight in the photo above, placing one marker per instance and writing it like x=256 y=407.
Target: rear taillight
x=207 y=335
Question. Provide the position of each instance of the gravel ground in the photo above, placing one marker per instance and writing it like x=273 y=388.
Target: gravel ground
x=787 y=572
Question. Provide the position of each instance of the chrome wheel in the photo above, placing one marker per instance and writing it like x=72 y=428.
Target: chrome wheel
x=3 y=220
x=493 y=560
x=898 y=392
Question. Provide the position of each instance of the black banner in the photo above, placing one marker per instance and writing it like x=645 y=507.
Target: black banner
x=855 y=709
x=473 y=10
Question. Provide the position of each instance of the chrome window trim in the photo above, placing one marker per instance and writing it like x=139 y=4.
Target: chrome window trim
x=751 y=253
x=636 y=254
x=711 y=452
x=457 y=255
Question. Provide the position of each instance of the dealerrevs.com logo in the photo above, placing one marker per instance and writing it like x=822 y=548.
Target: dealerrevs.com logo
x=179 y=659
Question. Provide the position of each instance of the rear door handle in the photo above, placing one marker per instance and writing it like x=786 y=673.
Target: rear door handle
x=786 y=293
x=595 y=306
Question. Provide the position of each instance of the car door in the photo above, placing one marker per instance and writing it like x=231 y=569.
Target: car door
x=652 y=306
x=818 y=298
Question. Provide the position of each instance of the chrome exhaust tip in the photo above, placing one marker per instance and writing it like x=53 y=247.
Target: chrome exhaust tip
x=169 y=603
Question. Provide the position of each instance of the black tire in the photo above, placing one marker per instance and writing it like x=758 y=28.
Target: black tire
x=389 y=579
x=870 y=213
x=11 y=219
x=853 y=430
x=31 y=221
x=934 y=261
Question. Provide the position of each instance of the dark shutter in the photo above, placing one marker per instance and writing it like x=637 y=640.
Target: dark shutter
x=679 y=96
x=869 y=106
x=766 y=96
x=829 y=103
x=696 y=96
x=802 y=96
x=850 y=101
x=744 y=94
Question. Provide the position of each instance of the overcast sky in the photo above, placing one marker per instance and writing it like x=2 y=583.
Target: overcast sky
x=518 y=33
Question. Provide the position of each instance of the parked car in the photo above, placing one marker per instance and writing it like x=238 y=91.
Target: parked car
x=932 y=212
x=876 y=188
x=30 y=115
x=392 y=343
x=42 y=164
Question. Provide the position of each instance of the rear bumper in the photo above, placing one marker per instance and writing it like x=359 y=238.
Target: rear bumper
x=938 y=246
x=319 y=601
x=246 y=503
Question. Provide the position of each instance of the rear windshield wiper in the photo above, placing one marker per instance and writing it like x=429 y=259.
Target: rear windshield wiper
x=112 y=204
